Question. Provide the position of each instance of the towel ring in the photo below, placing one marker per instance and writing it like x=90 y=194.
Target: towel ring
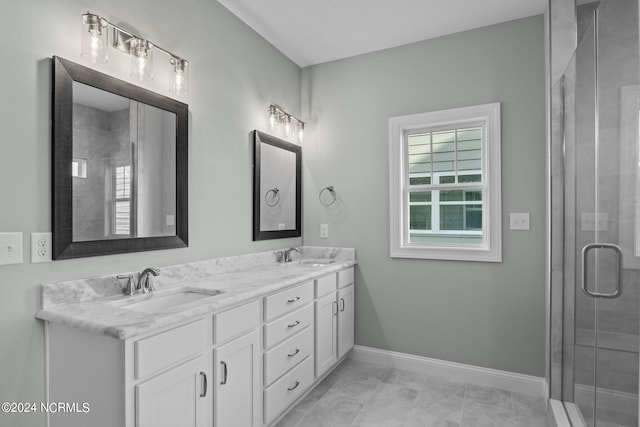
x=327 y=196
x=275 y=198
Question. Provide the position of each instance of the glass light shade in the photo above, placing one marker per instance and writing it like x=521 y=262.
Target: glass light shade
x=273 y=118
x=300 y=132
x=141 y=59
x=95 y=38
x=180 y=78
x=287 y=126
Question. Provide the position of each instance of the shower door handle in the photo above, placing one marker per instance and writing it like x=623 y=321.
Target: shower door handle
x=585 y=269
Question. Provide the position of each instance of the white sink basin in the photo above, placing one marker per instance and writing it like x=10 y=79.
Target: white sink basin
x=151 y=303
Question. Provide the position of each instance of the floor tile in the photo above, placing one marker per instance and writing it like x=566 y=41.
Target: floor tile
x=332 y=410
x=491 y=396
x=359 y=394
x=478 y=415
x=440 y=389
x=292 y=418
x=408 y=379
x=433 y=413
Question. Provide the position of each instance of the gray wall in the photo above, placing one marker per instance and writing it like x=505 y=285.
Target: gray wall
x=235 y=75
x=483 y=314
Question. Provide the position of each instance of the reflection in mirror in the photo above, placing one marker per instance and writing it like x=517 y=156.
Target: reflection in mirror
x=119 y=166
x=277 y=188
x=125 y=156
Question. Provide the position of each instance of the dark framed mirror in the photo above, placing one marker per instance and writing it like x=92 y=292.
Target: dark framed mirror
x=277 y=188
x=120 y=166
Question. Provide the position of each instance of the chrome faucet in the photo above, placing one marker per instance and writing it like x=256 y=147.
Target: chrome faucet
x=144 y=283
x=145 y=279
x=287 y=254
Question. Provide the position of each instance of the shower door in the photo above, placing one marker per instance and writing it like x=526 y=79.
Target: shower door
x=601 y=251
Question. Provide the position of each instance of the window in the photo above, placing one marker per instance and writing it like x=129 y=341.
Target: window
x=78 y=168
x=122 y=202
x=445 y=184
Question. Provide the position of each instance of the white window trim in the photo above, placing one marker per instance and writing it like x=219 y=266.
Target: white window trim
x=491 y=249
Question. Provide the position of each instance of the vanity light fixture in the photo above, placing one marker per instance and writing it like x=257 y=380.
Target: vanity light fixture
x=285 y=122
x=98 y=34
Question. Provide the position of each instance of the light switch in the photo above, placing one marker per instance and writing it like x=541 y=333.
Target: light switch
x=519 y=221
x=324 y=231
x=10 y=248
x=282 y=227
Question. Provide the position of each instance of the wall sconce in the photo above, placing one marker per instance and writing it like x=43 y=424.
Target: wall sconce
x=95 y=43
x=285 y=122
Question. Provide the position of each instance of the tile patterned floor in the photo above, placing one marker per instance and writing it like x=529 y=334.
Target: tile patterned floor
x=367 y=395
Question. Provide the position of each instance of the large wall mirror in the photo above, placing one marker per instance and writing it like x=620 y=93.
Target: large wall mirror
x=277 y=188
x=119 y=166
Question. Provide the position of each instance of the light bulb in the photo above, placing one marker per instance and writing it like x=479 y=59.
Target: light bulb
x=273 y=118
x=301 y=132
x=180 y=81
x=141 y=59
x=94 y=38
x=287 y=126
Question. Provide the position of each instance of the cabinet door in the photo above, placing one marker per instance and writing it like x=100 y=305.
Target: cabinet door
x=237 y=382
x=345 y=320
x=180 y=397
x=326 y=333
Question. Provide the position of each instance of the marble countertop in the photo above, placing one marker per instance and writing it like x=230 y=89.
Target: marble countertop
x=103 y=315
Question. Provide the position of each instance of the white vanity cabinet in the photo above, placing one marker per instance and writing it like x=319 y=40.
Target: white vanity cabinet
x=334 y=318
x=237 y=367
x=241 y=367
x=179 y=397
x=289 y=348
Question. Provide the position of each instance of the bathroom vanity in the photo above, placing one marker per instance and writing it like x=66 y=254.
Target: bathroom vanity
x=235 y=345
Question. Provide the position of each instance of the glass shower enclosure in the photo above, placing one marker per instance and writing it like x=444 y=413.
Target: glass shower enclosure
x=595 y=210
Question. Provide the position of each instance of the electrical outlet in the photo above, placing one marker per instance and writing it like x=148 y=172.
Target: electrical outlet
x=40 y=247
x=324 y=231
x=10 y=248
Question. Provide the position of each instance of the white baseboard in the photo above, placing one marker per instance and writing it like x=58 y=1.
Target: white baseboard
x=468 y=373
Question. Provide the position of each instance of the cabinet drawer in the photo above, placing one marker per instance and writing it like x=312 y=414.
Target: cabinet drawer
x=286 y=301
x=288 y=326
x=235 y=321
x=325 y=284
x=286 y=355
x=345 y=277
x=287 y=389
x=160 y=351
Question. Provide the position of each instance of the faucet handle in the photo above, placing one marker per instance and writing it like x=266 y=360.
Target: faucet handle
x=279 y=256
x=127 y=289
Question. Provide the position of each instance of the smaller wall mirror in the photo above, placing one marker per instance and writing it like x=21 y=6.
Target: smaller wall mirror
x=277 y=188
x=119 y=166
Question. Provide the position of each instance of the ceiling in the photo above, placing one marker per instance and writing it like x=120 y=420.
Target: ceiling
x=315 y=31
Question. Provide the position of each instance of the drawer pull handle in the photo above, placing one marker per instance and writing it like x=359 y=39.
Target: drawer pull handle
x=226 y=373
x=335 y=304
x=291 y=301
x=294 y=387
x=342 y=299
x=294 y=353
x=204 y=387
x=293 y=325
